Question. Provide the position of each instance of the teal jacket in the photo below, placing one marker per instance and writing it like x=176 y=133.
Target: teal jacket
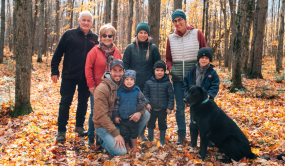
x=136 y=60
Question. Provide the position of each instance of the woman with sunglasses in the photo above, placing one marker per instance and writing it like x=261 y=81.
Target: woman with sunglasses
x=97 y=63
x=141 y=56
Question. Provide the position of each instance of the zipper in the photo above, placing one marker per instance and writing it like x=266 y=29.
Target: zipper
x=128 y=104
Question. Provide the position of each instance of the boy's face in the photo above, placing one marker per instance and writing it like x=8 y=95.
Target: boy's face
x=159 y=73
x=129 y=82
x=204 y=61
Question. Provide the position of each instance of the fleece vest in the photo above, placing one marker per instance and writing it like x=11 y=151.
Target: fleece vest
x=128 y=102
x=184 y=51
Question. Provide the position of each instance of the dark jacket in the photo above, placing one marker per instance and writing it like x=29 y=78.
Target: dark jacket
x=211 y=81
x=137 y=61
x=159 y=93
x=128 y=102
x=75 y=46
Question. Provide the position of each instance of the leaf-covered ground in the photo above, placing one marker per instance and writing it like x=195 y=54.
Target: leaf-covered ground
x=30 y=139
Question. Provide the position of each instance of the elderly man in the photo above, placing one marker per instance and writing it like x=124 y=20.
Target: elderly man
x=74 y=45
x=104 y=97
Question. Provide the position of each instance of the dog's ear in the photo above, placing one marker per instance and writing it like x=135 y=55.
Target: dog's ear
x=204 y=92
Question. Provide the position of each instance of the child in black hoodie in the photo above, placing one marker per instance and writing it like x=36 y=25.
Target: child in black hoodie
x=159 y=94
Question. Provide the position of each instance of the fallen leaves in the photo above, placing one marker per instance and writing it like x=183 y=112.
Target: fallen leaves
x=30 y=139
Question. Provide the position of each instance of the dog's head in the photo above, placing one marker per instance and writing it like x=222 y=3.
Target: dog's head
x=195 y=95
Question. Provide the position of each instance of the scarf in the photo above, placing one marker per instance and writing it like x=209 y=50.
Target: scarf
x=109 y=54
x=127 y=89
x=200 y=73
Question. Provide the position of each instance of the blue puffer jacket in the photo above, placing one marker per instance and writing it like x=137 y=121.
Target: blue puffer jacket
x=128 y=102
x=159 y=93
x=211 y=81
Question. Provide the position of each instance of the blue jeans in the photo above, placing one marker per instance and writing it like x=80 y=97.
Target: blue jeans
x=90 y=122
x=180 y=106
x=107 y=140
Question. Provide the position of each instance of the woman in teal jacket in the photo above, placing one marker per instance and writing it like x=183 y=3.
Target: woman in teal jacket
x=141 y=56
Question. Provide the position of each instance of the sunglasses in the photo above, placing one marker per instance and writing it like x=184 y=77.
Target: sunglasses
x=109 y=36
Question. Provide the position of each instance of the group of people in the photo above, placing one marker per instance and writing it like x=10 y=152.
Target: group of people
x=127 y=94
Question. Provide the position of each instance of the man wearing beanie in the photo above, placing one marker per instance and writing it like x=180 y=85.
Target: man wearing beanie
x=140 y=56
x=181 y=54
x=159 y=94
x=129 y=100
x=201 y=74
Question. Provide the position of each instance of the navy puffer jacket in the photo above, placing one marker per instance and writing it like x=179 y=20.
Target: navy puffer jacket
x=159 y=93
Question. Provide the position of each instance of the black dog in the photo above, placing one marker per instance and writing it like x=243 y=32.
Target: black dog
x=215 y=125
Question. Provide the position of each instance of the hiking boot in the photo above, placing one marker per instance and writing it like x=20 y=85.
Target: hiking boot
x=81 y=131
x=162 y=137
x=60 y=136
x=143 y=137
x=181 y=137
x=91 y=141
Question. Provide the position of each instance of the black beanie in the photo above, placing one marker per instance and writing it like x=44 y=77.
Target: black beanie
x=159 y=64
x=205 y=51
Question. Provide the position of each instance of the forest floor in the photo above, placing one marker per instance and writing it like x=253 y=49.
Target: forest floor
x=30 y=139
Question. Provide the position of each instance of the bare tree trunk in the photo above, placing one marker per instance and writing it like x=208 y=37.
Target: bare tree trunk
x=226 y=54
x=70 y=4
x=246 y=36
x=185 y=6
x=115 y=17
x=130 y=24
x=2 y=30
x=46 y=30
x=279 y=55
x=237 y=49
x=203 y=21
x=23 y=58
x=108 y=11
x=137 y=13
x=34 y=27
x=257 y=56
x=154 y=21
x=41 y=32
x=177 y=4
x=57 y=22
x=207 y=23
x=233 y=15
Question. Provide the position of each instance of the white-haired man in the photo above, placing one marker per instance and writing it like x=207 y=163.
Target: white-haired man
x=74 y=46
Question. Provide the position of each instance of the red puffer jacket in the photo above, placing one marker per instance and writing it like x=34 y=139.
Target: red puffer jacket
x=96 y=64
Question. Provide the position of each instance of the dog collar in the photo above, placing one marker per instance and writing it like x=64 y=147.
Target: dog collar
x=205 y=101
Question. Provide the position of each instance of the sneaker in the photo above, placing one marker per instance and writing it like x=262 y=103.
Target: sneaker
x=60 y=136
x=90 y=141
x=81 y=131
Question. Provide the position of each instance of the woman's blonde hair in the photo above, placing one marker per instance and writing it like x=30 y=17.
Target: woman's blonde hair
x=137 y=43
x=107 y=27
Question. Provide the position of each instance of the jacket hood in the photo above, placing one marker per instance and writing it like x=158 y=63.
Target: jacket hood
x=189 y=27
x=108 y=80
x=163 y=79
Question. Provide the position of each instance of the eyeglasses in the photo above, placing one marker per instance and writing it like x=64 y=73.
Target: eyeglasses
x=109 y=36
x=178 y=20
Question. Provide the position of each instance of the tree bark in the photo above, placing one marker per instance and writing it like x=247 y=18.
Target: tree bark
x=226 y=54
x=177 y=4
x=154 y=21
x=115 y=18
x=108 y=11
x=257 y=56
x=34 y=27
x=45 y=30
x=203 y=20
x=246 y=36
x=207 y=36
x=130 y=23
x=41 y=32
x=57 y=22
x=237 y=49
x=279 y=55
x=70 y=5
x=232 y=27
x=2 y=30
x=23 y=58
x=137 y=13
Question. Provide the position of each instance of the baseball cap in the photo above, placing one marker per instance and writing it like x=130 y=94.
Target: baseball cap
x=116 y=62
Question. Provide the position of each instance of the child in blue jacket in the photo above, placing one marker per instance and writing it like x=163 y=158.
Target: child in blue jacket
x=204 y=75
x=129 y=100
x=159 y=94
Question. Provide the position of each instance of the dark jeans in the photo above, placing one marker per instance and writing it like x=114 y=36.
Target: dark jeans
x=129 y=129
x=67 y=91
x=161 y=116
